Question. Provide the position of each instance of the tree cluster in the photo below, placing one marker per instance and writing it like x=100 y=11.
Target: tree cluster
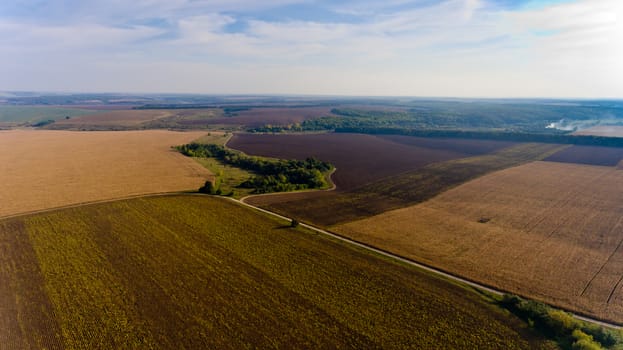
x=271 y=175
x=559 y=325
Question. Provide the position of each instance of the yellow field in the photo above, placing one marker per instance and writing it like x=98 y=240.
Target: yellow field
x=44 y=169
x=551 y=231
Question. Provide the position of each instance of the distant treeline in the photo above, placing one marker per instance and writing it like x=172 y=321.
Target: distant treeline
x=530 y=118
x=584 y=140
x=176 y=106
x=272 y=175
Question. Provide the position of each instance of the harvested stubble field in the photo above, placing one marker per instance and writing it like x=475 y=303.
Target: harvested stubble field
x=551 y=231
x=331 y=208
x=591 y=155
x=42 y=169
x=202 y=272
x=361 y=159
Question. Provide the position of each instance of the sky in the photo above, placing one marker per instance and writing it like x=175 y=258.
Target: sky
x=452 y=48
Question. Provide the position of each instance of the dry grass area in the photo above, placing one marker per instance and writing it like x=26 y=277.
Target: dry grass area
x=45 y=169
x=602 y=130
x=550 y=231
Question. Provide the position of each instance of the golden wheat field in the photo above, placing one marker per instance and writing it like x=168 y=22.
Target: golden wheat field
x=42 y=169
x=550 y=231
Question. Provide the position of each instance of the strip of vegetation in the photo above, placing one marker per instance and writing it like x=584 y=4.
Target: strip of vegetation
x=42 y=123
x=584 y=140
x=272 y=175
x=561 y=326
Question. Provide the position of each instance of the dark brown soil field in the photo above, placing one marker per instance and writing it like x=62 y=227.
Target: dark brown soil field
x=408 y=188
x=361 y=159
x=257 y=117
x=467 y=146
x=198 y=272
x=591 y=155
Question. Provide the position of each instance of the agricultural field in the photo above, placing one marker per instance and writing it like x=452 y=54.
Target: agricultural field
x=546 y=230
x=602 y=130
x=42 y=169
x=591 y=155
x=255 y=117
x=401 y=190
x=139 y=119
x=18 y=115
x=202 y=272
x=361 y=159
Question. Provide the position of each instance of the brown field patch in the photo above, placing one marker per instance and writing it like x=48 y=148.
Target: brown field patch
x=256 y=117
x=591 y=155
x=42 y=169
x=466 y=146
x=602 y=130
x=398 y=191
x=359 y=158
x=550 y=231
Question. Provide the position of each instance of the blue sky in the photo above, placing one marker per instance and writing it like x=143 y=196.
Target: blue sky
x=482 y=48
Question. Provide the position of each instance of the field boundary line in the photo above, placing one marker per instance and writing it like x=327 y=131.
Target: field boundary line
x=604 y=265
x=616 y=286
x=436 y=271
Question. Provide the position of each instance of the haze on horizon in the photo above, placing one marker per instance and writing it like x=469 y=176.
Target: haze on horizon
x=461 y=48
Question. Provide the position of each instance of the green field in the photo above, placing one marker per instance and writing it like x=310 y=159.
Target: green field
x=21 y=114
x=205 y=272
x=408 y=188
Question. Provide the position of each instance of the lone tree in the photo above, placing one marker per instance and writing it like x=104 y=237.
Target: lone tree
x=207 y=188
x=294 y=223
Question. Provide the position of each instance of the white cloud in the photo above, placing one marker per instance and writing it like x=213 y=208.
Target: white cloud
x=454 y=47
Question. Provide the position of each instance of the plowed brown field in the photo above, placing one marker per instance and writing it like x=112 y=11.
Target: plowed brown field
x=46 y=169
x=591 y=155
x=361 y=159
x=551 y=231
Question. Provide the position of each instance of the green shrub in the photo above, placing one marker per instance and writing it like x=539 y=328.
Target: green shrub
x=584 y=341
